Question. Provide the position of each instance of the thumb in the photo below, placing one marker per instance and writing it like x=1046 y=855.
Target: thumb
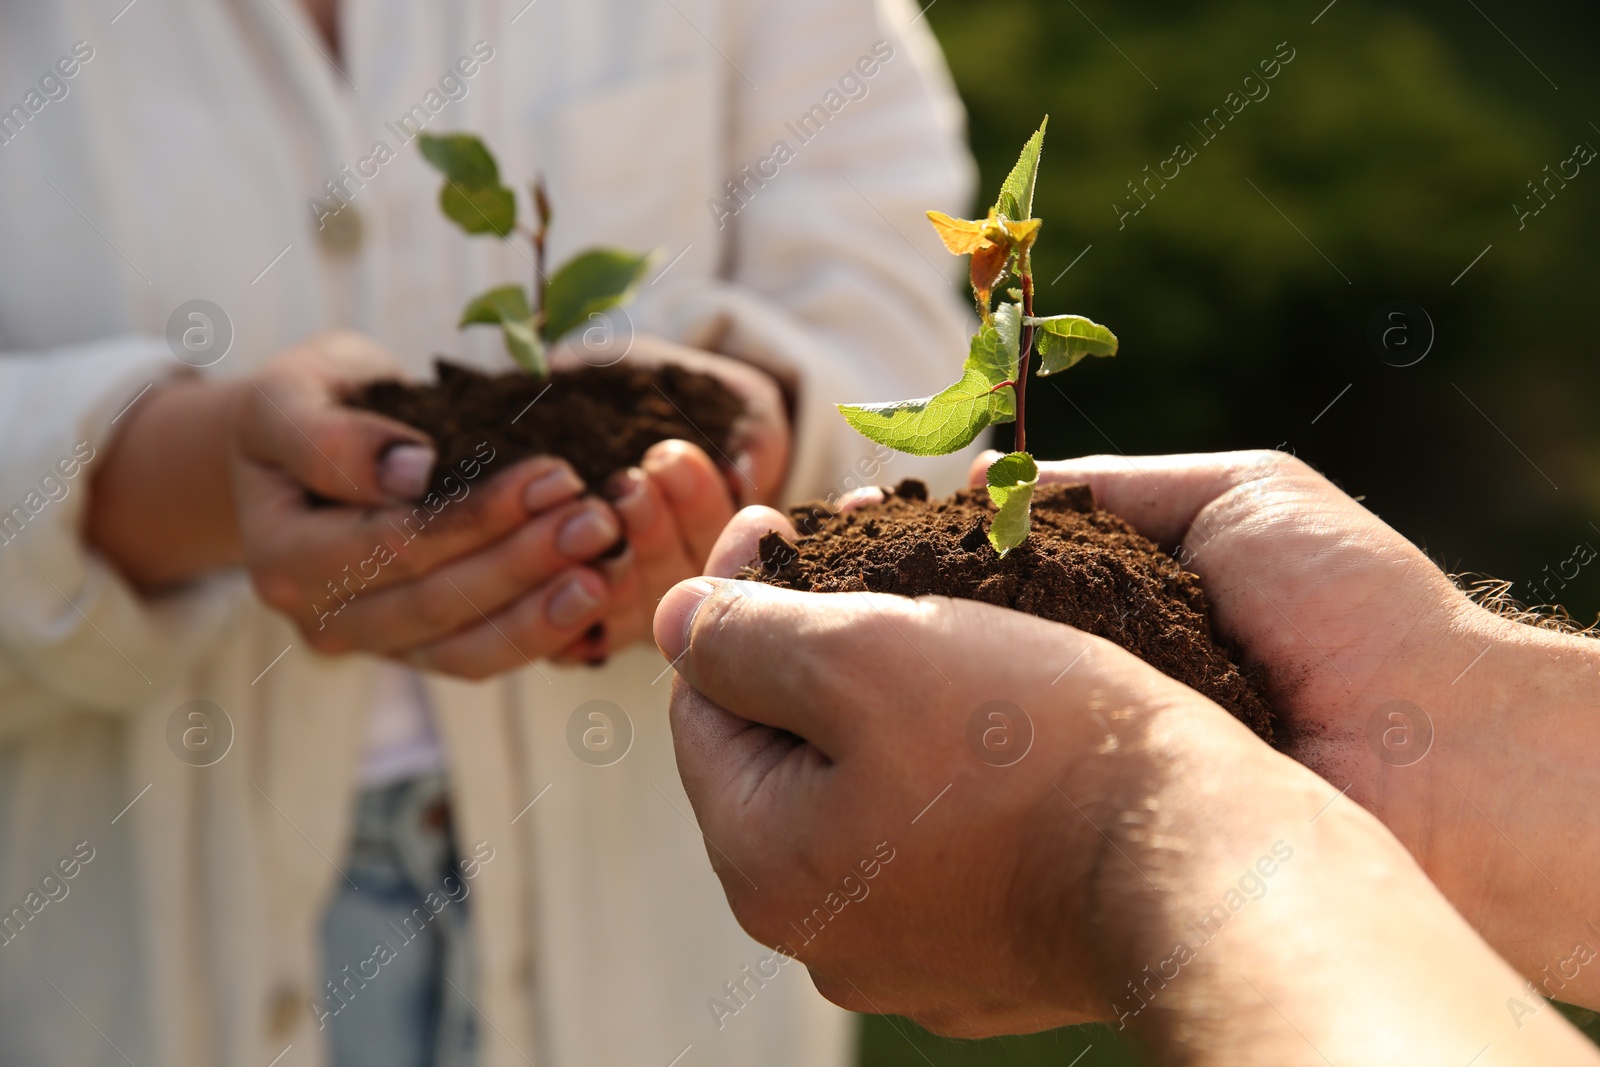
x=1161 y=496
x=739 y=545
x=336 y=452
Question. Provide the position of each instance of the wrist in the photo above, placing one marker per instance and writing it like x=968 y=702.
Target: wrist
x=1211 y=817
x=161 y=506
x=1508 y=787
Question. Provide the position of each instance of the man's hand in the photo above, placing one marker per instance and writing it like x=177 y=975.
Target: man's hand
x=863 y=753
x=1469 y=736
x=917 y=801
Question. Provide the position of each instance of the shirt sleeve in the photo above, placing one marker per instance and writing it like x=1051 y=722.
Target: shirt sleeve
x=71 y=629
x=845 y=130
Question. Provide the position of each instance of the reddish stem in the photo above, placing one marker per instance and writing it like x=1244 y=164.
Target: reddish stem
x=538 y=271
x=1025 y=362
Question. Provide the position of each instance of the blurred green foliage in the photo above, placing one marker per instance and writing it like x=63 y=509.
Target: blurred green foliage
x=1387 y=156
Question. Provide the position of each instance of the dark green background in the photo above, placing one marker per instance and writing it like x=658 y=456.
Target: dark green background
x=1397 y=141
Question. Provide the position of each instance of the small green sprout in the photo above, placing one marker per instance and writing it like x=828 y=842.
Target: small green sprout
x=994 y=379
x=588 y=284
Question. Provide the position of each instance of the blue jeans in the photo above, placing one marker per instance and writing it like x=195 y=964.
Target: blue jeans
x=396 y=958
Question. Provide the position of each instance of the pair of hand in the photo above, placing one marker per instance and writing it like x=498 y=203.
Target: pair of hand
x=327 y=515
x=813 y=730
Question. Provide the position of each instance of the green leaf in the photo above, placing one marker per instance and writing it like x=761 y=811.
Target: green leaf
x=461 y=158
x=525 y=347
x=496 y=305
x=589 y=283
x=1011 y=482
x=479 y=209
x=507 y=307
x=1016 y=195
x=935 y=425
x=1063 y=340
x=995 y=347
x=472 y=196
x=950 y=420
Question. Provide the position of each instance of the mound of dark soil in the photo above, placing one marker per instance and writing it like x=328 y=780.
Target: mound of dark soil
x=599 y=419
x=1080 y=565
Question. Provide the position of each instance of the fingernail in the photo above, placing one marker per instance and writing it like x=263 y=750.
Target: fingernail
x=675 y=615
x=548 y=490
x=745 y=464
x=404 y=469
x=595 y=646
x=571 y=603
x=587 y=533
x=624 y=485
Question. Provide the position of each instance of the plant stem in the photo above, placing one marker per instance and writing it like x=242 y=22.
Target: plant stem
x=1025 y=362
x=538 y=272
x=541 y=211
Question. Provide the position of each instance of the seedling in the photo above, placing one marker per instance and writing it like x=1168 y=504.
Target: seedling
x=589 y=284
x=994 y=380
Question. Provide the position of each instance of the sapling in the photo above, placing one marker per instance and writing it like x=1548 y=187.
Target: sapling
x=590 y=283
x=994 y=380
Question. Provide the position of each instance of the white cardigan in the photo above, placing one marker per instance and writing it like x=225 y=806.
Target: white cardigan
x=184 y=158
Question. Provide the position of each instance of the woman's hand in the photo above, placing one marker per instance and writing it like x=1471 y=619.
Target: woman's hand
x=315 y=500
x=674 y=505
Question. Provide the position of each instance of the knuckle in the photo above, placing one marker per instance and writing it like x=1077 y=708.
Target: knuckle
x=450 y=659
x=1263 y=463
x=764 y=920
x=275 y=589
x=435 y=608
x=403 y=564
x=324 y=641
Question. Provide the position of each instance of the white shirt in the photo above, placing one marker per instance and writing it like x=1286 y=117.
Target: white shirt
x=178 y=162
x=401 y=741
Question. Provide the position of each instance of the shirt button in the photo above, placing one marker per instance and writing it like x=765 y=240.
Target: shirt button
x=283 y=1017
x=340 y=232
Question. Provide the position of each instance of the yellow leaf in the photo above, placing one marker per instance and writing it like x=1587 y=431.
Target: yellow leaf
x=988 y=267
x=961 y=236
x=1026 y=231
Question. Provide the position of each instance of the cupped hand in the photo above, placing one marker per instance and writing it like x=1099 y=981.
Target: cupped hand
x=757 y=457
x=674 y=505
x=1342 y=612
x=339 y=533
x=908 y=795
x=1469 y=735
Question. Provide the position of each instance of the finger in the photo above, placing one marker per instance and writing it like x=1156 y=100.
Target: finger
x=339 y=453
x=458 y=594
x=759 y=444
x=775 y=656
x=293 y=418
x=1160 y=496
x=537 y=626
x=740 y=543
x=629 y=617
x=695 y=493
x=855 y=498
x=657 y=553
x=658 y=549
x=722 y=758
x=301 y=553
